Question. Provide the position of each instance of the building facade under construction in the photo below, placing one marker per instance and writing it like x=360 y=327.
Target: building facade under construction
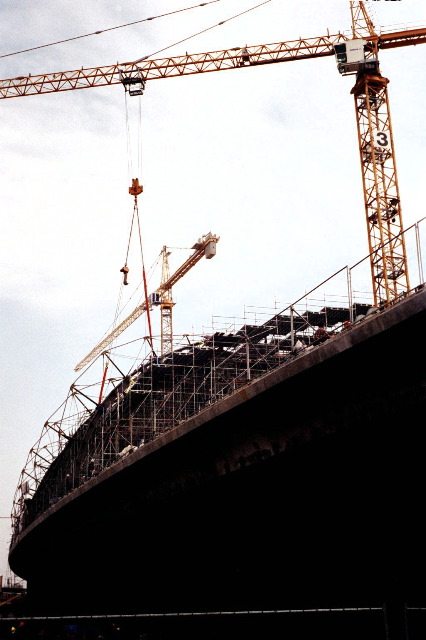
x=165 y=391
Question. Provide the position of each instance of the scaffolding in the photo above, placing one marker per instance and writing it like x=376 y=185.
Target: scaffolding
x=161 y=393
x=90 y=431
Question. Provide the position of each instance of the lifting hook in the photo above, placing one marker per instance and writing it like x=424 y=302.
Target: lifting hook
x=125 y=271
x=136 y=188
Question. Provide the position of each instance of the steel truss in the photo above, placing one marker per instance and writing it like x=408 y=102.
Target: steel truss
x=389 y=268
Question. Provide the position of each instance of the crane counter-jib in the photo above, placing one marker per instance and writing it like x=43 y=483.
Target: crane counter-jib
x=402 y=38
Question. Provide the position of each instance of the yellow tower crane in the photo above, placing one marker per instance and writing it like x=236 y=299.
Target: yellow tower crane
x=205 y=246
x=359 y=57
x=357 y=54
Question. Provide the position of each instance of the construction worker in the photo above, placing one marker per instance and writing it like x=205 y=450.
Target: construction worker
x=321 y=334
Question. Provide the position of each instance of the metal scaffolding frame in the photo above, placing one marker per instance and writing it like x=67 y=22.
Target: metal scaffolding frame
x=158 y=395
x=91 y=431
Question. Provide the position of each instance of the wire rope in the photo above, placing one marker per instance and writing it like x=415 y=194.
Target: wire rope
x=121 y=309
x=140 y=138
x=135 y=214
x=148 y=313
x=129 y=154
x=219 y=24
x=130 y=234
x=129 y=170
x=95 y=33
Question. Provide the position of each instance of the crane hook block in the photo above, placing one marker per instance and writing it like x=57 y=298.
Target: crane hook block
x=125 y=271
x=136 y=188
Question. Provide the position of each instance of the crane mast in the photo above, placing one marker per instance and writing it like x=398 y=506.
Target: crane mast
x=389 y=269
x=382 y=203
x=166 y=306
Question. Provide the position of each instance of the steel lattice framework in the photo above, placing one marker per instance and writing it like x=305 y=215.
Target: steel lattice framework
x=388 y=259
x=235 y=58
x=88 y=436
x=170 y=67
x=389 y=270
x=166 y=307
x=362 y=25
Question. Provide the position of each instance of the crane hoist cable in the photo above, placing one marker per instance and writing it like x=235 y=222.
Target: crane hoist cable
x=135 y=190
x=125 y=269
x=133 y=87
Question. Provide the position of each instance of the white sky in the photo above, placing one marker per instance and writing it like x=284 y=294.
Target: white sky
x=265 y=158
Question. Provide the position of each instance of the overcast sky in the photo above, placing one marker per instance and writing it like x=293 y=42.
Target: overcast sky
x=265 y=158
